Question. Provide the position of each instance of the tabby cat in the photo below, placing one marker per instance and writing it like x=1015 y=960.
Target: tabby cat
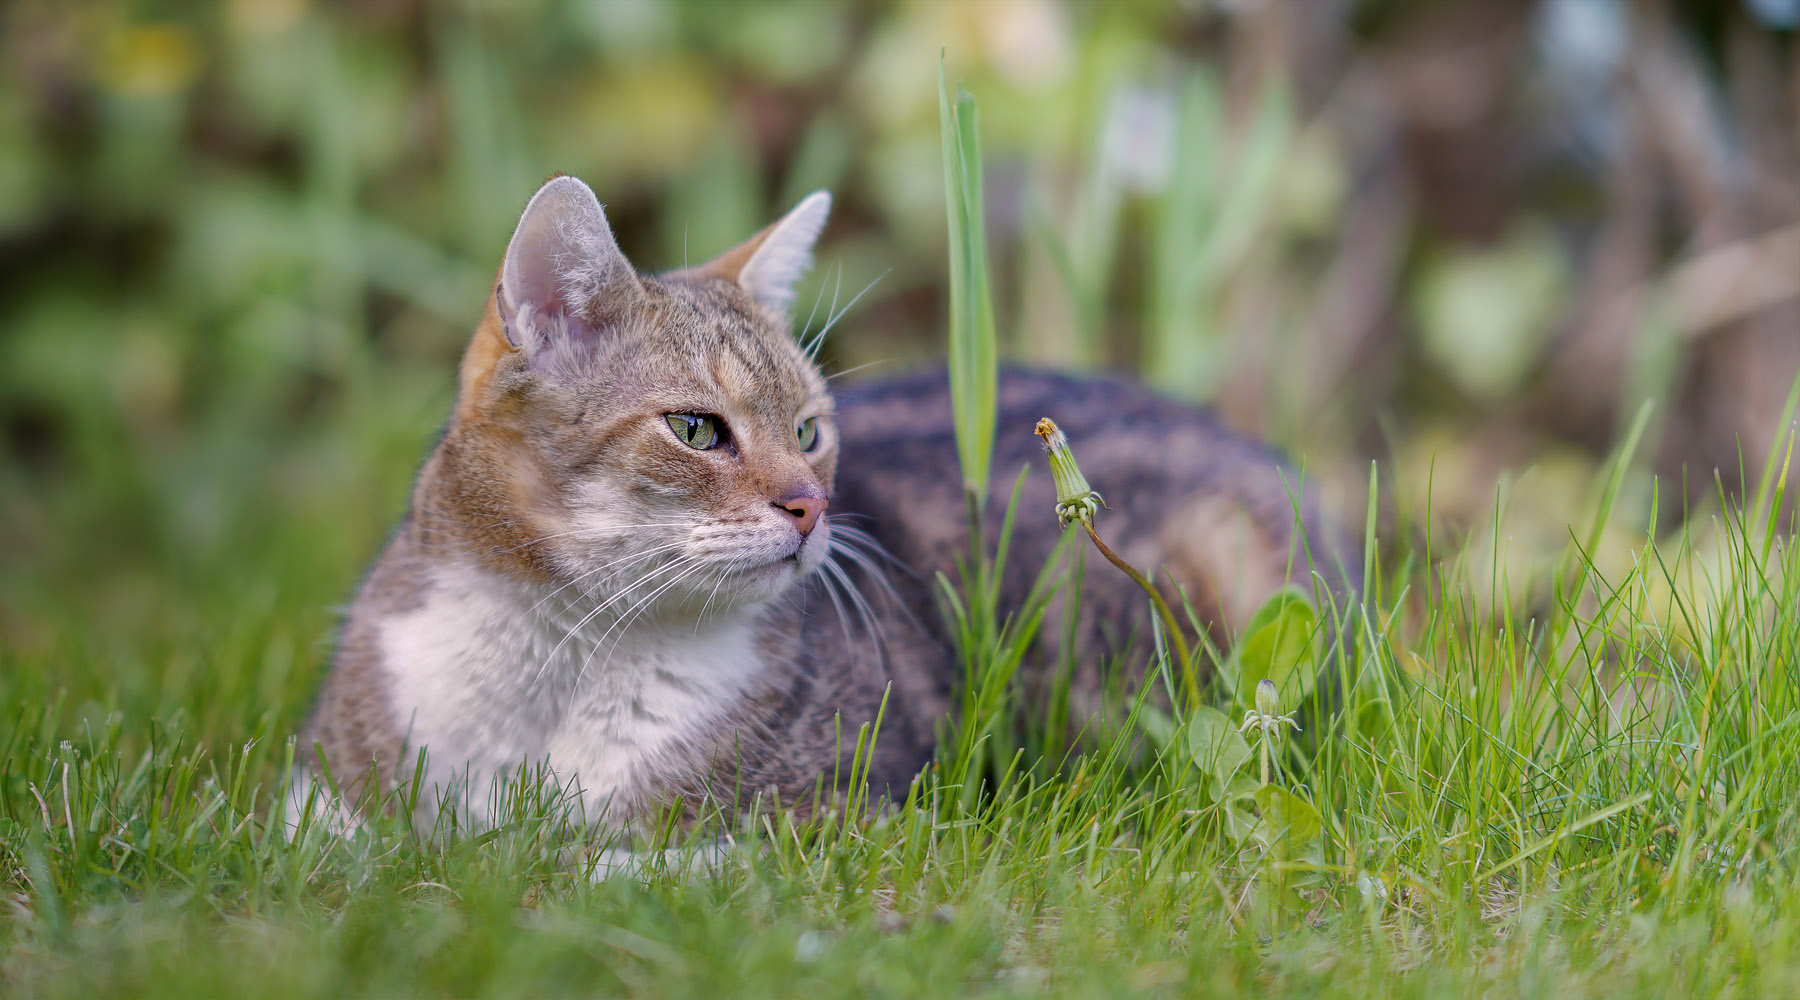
x=657 y=555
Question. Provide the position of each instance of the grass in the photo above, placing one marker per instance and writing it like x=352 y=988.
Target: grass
x=1591 y=793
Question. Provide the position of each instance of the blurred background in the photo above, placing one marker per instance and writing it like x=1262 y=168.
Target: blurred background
x=242 y=243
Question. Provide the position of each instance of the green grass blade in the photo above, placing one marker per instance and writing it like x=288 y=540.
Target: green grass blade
x=972 y=352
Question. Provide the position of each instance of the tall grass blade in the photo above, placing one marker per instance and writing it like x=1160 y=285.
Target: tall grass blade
x=971 y=319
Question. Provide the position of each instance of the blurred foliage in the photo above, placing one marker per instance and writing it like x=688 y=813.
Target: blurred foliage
x=241 y=243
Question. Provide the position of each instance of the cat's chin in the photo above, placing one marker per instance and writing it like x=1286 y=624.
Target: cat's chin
x=747 y=591
x=770 y=580
x=777 y=576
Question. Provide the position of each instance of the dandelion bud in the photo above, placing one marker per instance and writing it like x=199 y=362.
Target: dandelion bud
x=1268 y=700
x=1075 y=499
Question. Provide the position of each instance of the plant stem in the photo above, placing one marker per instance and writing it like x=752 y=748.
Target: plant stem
x=977 y=532
x=1190 y=686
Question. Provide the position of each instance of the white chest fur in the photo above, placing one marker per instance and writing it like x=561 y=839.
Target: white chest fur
x=486 y=681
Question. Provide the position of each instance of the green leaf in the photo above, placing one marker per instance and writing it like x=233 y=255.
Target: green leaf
x=1239 y=824
x=1273 y=607
x=1282 y=645
x=1286 y=818
x=1215 y=746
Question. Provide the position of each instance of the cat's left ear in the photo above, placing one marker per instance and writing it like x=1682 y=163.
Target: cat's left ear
x=769 y=264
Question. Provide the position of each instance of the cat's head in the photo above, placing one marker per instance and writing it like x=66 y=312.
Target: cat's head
x=649 y=438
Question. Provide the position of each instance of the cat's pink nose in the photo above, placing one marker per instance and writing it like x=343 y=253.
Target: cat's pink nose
x=806 y=508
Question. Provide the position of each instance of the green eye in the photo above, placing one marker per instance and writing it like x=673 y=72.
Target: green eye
x=696 y=430
x=808 y=433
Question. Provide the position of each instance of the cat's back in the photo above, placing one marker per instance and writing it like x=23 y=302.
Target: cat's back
x=1223 y=513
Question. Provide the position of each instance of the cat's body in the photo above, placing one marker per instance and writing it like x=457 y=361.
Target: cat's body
x=633 y=558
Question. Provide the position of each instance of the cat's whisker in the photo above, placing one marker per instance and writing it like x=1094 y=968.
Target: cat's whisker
x=820 y=297
x=852 y=536
x=818 y=341
x=505 y=522
x=869 y=554
x=868 y=364
x=864 y=615
x=809 y=344
x=609 y=529
x=687 y=561
x=725 y=572
x=632 y=557
x=589 y=592
x=871 y=625
x=828 y=581
x=868 y=566
x=602 y=606
x=631 y=615
x=682 y=562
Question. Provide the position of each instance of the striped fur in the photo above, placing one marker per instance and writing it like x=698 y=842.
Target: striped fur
x=575 y=588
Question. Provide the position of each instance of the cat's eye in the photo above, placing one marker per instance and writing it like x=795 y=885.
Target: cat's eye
x=808 y=433
x=697 y=430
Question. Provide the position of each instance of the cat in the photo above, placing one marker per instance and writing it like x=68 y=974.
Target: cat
x=655 y=554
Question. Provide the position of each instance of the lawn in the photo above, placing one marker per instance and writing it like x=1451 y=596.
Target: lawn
x=1593 y=795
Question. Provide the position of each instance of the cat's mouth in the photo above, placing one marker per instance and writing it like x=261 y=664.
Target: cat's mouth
x=789 y=559
x=778 y=564
x=794 y=560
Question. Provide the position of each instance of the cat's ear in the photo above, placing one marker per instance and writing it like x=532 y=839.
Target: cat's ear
x=564 y=278
x=769 y=264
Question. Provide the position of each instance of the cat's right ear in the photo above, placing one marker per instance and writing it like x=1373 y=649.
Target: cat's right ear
x=564 y=279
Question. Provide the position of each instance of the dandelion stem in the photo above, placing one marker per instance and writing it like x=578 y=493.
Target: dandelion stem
x=1076 y=500
x=1190 y=686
